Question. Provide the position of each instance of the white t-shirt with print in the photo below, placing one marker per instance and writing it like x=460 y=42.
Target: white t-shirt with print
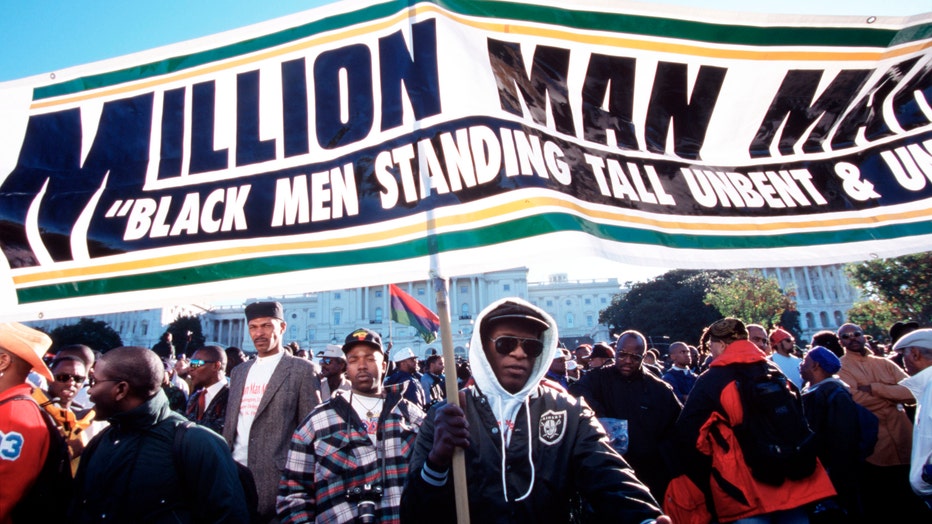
x=256 y=382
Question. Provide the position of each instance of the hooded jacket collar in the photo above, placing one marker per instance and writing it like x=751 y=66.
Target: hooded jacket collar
x=739 y=352
x=143 y=416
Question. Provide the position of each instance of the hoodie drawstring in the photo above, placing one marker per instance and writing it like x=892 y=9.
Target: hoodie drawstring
x=530 y=456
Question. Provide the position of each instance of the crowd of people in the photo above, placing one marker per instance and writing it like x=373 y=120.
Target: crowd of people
x=746 y=426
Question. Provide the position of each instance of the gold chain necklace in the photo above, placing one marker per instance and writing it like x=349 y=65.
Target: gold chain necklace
x=369 y=413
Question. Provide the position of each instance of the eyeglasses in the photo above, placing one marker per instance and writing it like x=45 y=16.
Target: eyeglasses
x=196 y=363
x=852 y=334
x=65 y=377
x=91 y=382
x=621 y=355
x=505 y=344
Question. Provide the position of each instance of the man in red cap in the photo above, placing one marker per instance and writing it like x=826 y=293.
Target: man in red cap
x=783 y=344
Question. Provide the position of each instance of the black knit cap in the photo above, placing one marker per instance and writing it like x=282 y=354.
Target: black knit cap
x=728 y=329
x=264 y=309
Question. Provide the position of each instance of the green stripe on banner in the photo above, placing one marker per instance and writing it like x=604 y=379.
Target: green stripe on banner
x=525 y=228
x=652 y=26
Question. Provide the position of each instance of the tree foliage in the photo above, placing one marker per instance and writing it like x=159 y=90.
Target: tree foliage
x=180 y=327
x=904 y=283
x=672 y=304
x=875 y=317
x=95 y=334
x=753 y=298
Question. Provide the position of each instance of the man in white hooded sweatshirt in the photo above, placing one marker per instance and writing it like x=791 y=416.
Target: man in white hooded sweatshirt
x=530 y=449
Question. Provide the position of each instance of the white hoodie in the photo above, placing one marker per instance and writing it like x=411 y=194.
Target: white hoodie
x=505 y=405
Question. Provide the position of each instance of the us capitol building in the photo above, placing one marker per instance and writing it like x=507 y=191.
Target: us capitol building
x=823 y=296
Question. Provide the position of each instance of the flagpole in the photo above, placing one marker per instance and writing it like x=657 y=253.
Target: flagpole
x=449 y=366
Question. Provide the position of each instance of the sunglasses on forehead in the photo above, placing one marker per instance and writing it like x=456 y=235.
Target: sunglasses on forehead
x=505 y=344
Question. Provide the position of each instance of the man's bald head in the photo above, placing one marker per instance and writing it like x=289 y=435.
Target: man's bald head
x=140 y=367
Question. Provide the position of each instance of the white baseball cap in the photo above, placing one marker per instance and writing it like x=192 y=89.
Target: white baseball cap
x=402 y=354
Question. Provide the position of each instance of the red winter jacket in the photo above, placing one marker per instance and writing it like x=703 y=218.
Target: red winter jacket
x=719 y=466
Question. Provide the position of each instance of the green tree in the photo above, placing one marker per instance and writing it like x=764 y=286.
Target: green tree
x=671 y=305
x=753 y=298
x=875 y=317
x=187 y=334
x=904 y=283
x=95 y=334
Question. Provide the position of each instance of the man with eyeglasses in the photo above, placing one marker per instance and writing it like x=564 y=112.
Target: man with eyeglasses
x=207 y=406
x=638 y=409
x=135 y=471
x=528 y=447
x=76 y=423
x=333 y=372
x=873 y=382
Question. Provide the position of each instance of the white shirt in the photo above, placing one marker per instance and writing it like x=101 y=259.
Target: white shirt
x=789 y=365
x=364 y=405
x=920 y=385
x=256 y=382
x=212 y=391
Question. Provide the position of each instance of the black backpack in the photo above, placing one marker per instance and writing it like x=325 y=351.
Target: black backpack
x=774 y=436
x=868 y=425
x=48 y=498
x=246 y=479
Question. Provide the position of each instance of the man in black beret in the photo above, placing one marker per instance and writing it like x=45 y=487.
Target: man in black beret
x=269 y=397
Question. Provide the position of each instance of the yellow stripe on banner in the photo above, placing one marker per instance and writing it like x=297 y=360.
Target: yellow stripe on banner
x=498 y=213
x=506 y=28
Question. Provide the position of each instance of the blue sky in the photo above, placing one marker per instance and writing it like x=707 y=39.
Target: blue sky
x=40 y=36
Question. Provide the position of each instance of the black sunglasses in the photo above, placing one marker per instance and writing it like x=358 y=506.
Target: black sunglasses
x=198 y=363
x=853 y=334
x=65 y=377
x=505 y=344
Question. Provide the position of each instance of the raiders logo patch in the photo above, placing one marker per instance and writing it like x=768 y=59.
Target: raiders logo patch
x=552 y=427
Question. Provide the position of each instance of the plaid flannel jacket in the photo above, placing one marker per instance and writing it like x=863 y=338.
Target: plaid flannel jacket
x=330 y=454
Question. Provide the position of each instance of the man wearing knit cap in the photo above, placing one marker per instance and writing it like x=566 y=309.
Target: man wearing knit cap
x=708 y=439
x=783 y=344
x=602 y=355
x=917 y=355
x=833 y=417
x=24 y=437
x=269 y=397
x=874 y=384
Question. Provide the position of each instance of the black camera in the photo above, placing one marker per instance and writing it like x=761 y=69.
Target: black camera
x=367 y=500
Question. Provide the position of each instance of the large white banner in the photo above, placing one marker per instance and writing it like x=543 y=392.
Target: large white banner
x=365 y=143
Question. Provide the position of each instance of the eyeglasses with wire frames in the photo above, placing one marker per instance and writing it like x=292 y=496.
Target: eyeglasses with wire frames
x=92 y=381
x=505 y=344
